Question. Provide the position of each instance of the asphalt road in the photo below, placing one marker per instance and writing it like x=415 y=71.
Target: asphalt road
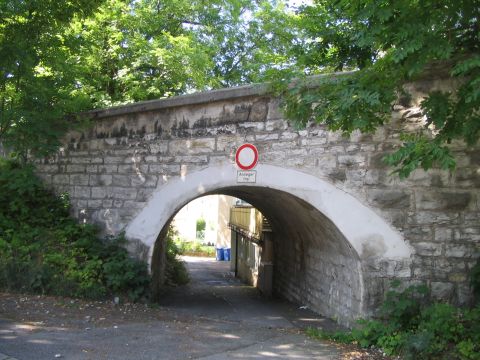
x=214 y=317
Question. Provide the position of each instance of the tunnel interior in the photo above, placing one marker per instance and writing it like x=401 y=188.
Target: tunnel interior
x=314 y=265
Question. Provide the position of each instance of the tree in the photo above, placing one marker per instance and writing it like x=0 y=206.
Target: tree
x=140 y=50
x=147 y=49
x=56 y=61
x=36 y=89
x=386 y=44
x=249 y=40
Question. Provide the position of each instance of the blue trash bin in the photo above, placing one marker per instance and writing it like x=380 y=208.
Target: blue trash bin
x=219 y=254
x=226 y=254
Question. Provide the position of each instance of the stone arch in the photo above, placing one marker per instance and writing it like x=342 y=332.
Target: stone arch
x=324 y=236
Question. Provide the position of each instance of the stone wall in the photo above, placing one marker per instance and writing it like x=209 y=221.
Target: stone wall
x=112 y=169
x=318 y=264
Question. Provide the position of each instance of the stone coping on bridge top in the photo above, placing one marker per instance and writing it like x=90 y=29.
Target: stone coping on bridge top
x=202 y=97
x=183 y=100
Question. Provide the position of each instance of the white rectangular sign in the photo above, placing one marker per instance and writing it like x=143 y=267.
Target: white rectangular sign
x=245 y=176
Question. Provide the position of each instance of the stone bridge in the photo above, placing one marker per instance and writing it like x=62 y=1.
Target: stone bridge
x=343 y=226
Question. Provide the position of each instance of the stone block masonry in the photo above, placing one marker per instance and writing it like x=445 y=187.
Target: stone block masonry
x=112 y=170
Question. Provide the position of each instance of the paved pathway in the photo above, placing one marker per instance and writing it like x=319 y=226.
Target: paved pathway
x=215 y=317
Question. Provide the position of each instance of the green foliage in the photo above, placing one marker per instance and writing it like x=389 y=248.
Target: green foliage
x=411 y=326
x=56 y=61
x=140 y=50
x=400 y=312
x=193 y=248
x=175 y=270
x=249 y=39
x=201 y=224
x=419 y=150
x=339 y=336
x=37 y=87
x=402 y=308
x=43 y=250
x=388 y=44
x=124 y=275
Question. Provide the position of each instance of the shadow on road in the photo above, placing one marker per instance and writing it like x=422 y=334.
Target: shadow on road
x=215 y=317
x=214 y=292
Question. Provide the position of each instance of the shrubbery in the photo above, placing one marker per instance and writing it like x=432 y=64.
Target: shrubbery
x=411 y=326
x=175 y=271
x=192 y=248
x=43 y=250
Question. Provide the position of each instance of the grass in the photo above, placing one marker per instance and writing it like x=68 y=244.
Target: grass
x=195 y=249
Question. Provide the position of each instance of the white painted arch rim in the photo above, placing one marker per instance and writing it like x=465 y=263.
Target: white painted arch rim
x=359 y=224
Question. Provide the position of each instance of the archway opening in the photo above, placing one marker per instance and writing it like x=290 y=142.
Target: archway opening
x=312 y=263
x=202 y=226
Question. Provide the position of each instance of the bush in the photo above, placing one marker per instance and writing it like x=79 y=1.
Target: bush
x=201 y=225
x=175 y=271
x=124 y=275
x=200 y=229
x=195 y=249
x=43 y=250
x=414 y=328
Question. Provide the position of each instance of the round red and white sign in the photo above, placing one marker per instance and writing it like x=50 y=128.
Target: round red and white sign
x=246 y=157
